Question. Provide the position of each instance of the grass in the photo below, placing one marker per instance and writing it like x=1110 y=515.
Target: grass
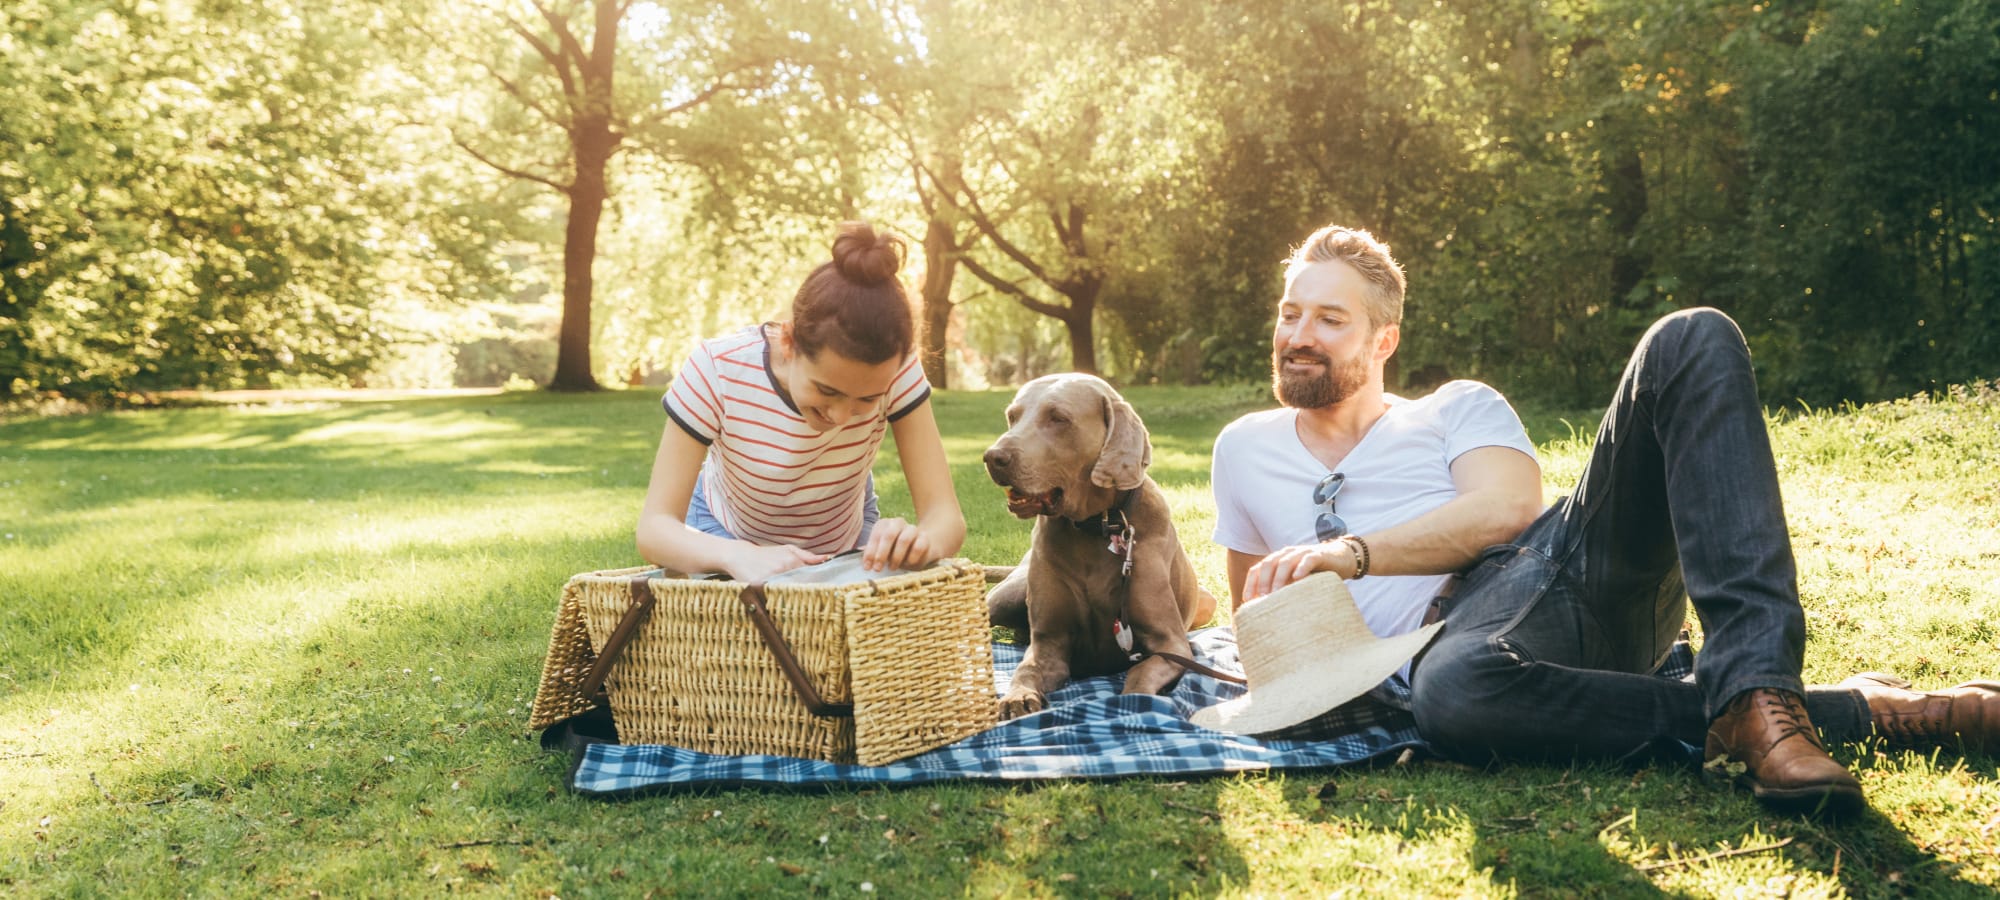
x=288 y=649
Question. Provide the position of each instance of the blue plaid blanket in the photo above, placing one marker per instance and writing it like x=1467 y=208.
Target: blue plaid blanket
x=1090 y=730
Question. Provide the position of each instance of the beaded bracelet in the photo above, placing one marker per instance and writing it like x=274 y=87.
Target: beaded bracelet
x=1360 y=550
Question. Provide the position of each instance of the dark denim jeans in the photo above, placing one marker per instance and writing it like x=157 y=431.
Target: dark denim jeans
x=1548 y=642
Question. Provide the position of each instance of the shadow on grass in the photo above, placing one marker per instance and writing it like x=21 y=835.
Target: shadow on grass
x=336 y=698
x=416 y=448
x=1594 y=831
x=382 y=751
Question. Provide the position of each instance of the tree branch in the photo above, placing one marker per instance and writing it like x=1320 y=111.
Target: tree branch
x=924 y=197
x=721 y=83
x=991 y=231
x=549 y=55
x=706 y=94
x=505 y=170
x=1014 y=290
x=513 y=88
x=560 y=25
x=1000 y=156
x=1077 y=247
x=520 y=95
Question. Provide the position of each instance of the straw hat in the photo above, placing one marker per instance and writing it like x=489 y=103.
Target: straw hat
x=1306 y=650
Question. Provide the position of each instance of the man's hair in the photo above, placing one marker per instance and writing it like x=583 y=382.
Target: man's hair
x=1368 y=256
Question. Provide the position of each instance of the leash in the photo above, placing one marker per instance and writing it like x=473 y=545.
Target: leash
x=1113 y=523
x=1116 y=525
x=1187 y=663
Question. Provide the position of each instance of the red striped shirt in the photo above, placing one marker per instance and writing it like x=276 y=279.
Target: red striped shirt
x=769 y=477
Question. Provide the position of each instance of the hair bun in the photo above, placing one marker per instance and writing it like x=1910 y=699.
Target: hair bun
x=865 y=256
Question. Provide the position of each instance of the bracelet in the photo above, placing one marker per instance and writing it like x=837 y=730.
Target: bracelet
x=1360 y=550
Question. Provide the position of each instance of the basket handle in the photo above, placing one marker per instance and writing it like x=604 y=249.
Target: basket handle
x=635 y=616
x=753 y=603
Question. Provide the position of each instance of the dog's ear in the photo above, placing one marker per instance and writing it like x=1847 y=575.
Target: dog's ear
x=1128 y=450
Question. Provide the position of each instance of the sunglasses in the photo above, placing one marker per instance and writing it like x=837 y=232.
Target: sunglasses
x=1329 y=525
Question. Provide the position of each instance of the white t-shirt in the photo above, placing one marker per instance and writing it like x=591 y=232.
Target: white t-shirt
x=1264 y=478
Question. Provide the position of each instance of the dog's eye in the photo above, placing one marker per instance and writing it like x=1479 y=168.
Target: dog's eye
x=1058 y=419
x=1013 y=414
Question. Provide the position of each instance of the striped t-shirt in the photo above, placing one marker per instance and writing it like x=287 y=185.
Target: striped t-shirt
x=769 y=477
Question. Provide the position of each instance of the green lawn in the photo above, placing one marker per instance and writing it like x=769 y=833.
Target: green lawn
x=290 y=649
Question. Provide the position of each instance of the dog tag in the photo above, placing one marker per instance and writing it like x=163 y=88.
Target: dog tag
x=1121 y=544
x=1121 y=634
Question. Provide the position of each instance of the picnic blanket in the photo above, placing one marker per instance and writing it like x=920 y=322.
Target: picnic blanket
x=1090 y=730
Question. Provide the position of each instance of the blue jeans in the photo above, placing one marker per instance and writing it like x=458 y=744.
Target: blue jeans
x=702 y=519
x=1548 y=642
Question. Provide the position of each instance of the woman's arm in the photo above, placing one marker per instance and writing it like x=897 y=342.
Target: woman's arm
x=666 y=540
x=940 y=528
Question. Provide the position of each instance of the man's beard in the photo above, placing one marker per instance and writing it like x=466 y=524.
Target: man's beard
x=1333 y=384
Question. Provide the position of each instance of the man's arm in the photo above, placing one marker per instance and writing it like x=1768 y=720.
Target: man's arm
x=1499 y=495
x=1240 y=564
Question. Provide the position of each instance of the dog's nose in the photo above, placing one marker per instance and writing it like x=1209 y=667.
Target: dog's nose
x=998 y=460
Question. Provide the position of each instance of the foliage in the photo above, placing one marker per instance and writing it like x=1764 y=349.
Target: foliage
x=307 y=669
x=1874 y=196
x=203 y=197
x=212 y=194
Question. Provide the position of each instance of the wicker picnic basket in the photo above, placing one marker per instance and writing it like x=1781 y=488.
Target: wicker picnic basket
x=869 y=672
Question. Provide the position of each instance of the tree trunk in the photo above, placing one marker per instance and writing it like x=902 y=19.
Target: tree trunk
x=1081 y=324
x=940 y=267
x=592 y=141
x=1625 y=183
x=586 y=207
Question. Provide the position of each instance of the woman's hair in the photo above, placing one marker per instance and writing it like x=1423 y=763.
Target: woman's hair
x=854 y=305
x=1368 y=256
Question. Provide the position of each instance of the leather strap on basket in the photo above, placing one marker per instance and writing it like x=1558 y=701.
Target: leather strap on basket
x=635 y=616
x=753 y=603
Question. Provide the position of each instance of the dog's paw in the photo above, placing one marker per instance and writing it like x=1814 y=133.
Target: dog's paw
x=1020 y=702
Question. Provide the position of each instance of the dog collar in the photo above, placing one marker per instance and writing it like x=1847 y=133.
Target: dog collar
x=1114 y=524
x=1109 y=523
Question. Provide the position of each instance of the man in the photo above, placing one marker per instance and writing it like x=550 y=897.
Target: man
x=1562 y=613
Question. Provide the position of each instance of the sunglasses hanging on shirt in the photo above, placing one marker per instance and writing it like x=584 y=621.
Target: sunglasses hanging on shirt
x=1329 y=525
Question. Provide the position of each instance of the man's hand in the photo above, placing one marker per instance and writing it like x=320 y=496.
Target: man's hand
x=1289 y=564
x=752 y=563
x=897 y=544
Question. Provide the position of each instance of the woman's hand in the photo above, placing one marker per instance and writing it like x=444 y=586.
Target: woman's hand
x=1289 y=564
x=752 y=563
x=897 y=544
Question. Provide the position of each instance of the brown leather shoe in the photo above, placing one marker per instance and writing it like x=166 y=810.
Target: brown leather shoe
x=1966 y=716
x=1763 y=741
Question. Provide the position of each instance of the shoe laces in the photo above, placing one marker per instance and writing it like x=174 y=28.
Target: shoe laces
x=1789 y=714
x=1920 y=728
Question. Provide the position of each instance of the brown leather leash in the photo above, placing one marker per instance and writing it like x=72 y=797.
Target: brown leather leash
x=1190 y=664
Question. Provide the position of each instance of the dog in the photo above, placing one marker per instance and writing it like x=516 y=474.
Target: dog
x=1105 y=580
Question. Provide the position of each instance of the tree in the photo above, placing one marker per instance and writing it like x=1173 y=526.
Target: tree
x=1042 y=154
x=579 y=92
x=185 y=213
x=943 y=248
x=1311 y=114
